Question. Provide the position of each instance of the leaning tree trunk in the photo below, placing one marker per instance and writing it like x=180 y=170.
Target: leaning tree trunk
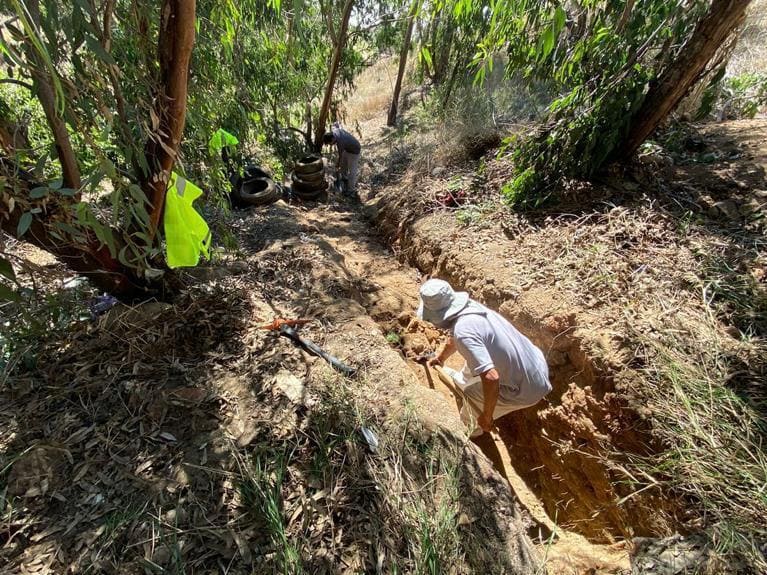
x=337 y=53
x=672 y=86
x=177 y=28
x=392 y=118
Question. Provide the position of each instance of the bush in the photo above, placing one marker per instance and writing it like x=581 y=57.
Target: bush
x=743 y=96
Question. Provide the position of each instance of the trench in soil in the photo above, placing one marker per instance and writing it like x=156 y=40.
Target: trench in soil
x=552 y=454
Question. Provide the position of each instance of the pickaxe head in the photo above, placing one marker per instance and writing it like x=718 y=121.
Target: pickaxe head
x=280 y=321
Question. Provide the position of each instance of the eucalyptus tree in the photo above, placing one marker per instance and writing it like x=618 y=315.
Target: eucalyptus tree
x=120 y=99
x=617 y=69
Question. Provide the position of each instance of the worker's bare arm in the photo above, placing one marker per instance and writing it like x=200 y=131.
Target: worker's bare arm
x=491 y=381
x=448 y=349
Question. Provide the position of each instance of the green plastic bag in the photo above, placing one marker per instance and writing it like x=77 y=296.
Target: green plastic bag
x=221 y=139
x=186 y=233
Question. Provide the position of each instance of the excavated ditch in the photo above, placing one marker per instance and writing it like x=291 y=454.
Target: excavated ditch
x=570 y=450
x=564 y=458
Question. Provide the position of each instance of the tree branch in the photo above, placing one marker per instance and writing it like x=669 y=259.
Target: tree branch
x=69 y=168
x=337 y=53
x=26 y=85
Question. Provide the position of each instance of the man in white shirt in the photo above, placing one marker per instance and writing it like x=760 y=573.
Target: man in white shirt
x=504 y=371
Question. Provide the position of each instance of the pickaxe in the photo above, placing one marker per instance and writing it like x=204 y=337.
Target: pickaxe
x=285 y=329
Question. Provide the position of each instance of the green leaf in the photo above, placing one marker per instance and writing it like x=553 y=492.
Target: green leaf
x=6 y=269
x=24 y=222
x=560 y=17
x=8 y=294
x=546 y=43
x=98 y=49
x=40 y=165
x=39 y=192
x=426 y=57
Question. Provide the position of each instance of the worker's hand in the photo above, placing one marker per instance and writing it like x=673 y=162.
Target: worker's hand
x=485 y=422
x=434 y=361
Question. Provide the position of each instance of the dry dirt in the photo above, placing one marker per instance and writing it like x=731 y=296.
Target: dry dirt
x=128 y=446
x=134 y=445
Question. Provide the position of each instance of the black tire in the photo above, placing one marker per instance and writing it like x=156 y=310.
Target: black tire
x=316 y=178
x=257 y=192
x=309 y=165
x=308 y=187
x=252 y=171
x=310 y=196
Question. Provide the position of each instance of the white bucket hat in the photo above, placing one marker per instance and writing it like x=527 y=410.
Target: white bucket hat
x=439 y=302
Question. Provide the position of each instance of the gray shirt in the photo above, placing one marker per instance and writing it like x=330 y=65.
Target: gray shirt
x=345 y=142
x=486 y=340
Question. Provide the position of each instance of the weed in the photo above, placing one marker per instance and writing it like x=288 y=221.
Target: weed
x=713 y=437
x=738 y=294
x=393 y=338
x=261 y=493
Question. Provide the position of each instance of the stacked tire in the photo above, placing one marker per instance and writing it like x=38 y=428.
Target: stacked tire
x=254 y=188
x=308 y=178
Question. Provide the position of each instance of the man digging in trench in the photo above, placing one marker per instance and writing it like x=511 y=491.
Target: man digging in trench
x=504 y=371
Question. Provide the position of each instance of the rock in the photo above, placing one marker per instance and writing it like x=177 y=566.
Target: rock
x=728 y=208
x=438 y=172
x=706 y=203
x=673 y=555
x=239 y=267
x=188 y=395
x=290 y=385
x=557 y=358
x=415 y=344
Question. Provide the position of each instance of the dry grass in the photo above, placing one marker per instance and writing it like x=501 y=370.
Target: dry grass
x=373 y=91
x=670 y=299
x=750 y=54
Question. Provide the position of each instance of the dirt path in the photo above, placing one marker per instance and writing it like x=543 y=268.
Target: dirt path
x=388 y=290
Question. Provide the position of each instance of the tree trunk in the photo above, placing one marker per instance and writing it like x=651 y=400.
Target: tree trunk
x=441 y=54
x=392 y=118
x=70 y=171
x=672 y=86
x=308 y=116
x=337 y=53
x=12 y=137
x=90 y=259
x=176 y=40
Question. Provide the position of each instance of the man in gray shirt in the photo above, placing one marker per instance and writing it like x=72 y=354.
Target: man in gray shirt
x=348 y=155
x=504 y=371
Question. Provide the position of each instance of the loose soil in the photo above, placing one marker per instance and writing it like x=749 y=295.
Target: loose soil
x=139 y=443
x=589 y=281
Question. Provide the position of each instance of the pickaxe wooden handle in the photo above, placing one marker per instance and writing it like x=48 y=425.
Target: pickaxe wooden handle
x=314 y=349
